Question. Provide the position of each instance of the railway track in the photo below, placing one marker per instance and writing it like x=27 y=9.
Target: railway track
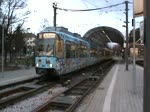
x=71 y=98
x=2 y=87
x=19 y=93
x=64 y=101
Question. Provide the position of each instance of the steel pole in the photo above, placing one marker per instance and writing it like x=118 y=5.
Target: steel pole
x=2 y=50
x=55 y=9
x=126 y=4
x=134 y=59
x=146 y=96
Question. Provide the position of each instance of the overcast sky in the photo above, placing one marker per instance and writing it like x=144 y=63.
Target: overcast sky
x=79 y=22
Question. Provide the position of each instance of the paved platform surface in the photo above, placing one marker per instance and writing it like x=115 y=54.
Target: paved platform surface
x=17 y=75
x=116 y=93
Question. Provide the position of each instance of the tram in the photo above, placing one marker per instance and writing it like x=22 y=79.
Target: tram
x=59 y=52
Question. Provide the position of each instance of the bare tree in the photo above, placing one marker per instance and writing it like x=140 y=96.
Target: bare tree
x=10 y=17
x=17 y=42
x=0 y=8
x=44 y=24
x=10 y=9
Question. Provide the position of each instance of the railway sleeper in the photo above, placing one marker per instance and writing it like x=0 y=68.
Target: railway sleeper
x=75 y=92
x=82 y=88
x=93 y=78
x=88 y=84
x=55 y=106
x=61 y=103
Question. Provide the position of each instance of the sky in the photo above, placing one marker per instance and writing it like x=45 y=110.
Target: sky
x=79 y=22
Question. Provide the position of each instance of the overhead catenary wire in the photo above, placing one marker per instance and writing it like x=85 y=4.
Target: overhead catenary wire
x=80 y=10
x=101 y=8
x=106 y=11
x=88 y=3
x=84 y=3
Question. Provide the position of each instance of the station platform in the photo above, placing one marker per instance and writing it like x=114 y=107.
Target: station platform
x=116 y=93
x=8 y=77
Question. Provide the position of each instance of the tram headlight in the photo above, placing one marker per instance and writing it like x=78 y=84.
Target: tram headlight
x=37 y=65
x=51 y=65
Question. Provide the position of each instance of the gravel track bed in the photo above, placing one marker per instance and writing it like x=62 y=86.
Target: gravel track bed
x=30 y=104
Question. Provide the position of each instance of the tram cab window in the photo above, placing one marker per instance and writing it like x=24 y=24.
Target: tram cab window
x=45 y=44
x=49 y=50
x=45 y=48
x=59 y=47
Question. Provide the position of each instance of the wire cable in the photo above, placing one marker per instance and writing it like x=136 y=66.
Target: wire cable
x=79 y=10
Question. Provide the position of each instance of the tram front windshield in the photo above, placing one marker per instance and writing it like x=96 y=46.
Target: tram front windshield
x=45 y=47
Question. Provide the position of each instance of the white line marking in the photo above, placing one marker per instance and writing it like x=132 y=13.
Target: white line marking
x=107 y=102
x=140 y=67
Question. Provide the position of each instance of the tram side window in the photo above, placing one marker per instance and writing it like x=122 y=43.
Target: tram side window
x=59 y=48
x=71 y=50
x=83 y=51
x=100 y=53
x=93 y=52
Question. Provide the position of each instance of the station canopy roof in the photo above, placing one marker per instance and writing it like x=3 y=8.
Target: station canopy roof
x=104 y=34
